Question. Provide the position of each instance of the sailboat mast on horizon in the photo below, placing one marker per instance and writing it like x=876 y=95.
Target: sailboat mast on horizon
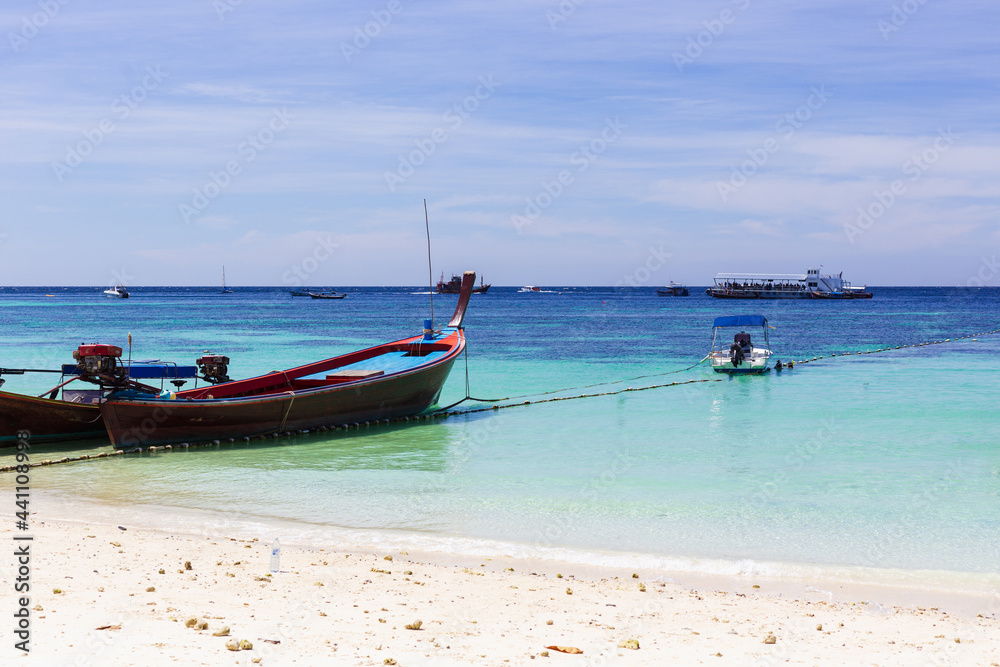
x=225 y=290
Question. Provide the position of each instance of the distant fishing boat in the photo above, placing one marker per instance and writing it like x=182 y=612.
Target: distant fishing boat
x=742 y=356
x=810 y=285
x=454 y=286
x=225 y=290
x=118 y=291
x=327 y=295
x=674 y=289
x=387 y=381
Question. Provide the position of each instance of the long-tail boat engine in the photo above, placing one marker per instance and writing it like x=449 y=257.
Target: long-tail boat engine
x=214 y=368
x=100 y=363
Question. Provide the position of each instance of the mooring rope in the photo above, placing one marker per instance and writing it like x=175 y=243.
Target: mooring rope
x=894 y=347
x=569 y=398
x=560 y=391
x=446 y=412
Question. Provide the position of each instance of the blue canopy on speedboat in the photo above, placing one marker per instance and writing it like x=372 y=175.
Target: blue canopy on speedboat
x=741 y=321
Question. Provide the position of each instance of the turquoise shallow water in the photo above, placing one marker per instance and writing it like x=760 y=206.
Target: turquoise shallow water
x=889 y=460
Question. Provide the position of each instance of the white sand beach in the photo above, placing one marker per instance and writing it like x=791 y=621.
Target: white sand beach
x=108 y=595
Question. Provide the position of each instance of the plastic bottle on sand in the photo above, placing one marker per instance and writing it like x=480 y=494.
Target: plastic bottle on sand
x=275 y=555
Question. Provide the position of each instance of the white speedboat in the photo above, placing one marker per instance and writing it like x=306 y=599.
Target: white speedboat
x=118 y=292
x=530 y=288
x=744 y=355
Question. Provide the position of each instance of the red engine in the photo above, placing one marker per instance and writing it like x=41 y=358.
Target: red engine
x=214 y=368
x=98 y=359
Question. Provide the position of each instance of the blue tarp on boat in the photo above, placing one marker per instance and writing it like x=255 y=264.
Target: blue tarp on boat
x=741 y=321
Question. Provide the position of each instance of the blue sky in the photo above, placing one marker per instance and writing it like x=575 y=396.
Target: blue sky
x=582 y=142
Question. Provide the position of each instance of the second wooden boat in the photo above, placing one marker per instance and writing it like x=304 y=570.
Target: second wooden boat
x=71 y=413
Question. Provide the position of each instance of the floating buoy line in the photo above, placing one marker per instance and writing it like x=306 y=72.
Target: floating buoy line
x=892 y=347
x=447 y=412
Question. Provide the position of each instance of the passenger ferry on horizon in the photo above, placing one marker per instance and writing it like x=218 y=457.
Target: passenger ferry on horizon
x=810 y=285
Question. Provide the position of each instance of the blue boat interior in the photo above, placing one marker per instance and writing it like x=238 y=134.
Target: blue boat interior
x=390 y=362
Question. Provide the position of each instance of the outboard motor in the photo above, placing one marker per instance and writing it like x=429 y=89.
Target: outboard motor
x=214 y=368
x=100 y=361
x=736 y=354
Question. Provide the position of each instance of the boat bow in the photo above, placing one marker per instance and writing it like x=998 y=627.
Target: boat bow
x=468 y=283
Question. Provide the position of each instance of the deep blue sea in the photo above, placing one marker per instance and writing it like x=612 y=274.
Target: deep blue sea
x=886 y=462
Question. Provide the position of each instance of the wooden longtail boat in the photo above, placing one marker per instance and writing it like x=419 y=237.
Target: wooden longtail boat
x=397 y=379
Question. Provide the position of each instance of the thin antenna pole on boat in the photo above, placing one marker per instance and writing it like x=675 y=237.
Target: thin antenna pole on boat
x=430 y=272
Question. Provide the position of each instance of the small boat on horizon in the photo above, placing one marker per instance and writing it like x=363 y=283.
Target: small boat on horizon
x=847 y=292
x=327 y=295
x=118 y=291
x=673 y=289
x=530 y=288
x=454 y=286
x=225 y=290
x=740 y=357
